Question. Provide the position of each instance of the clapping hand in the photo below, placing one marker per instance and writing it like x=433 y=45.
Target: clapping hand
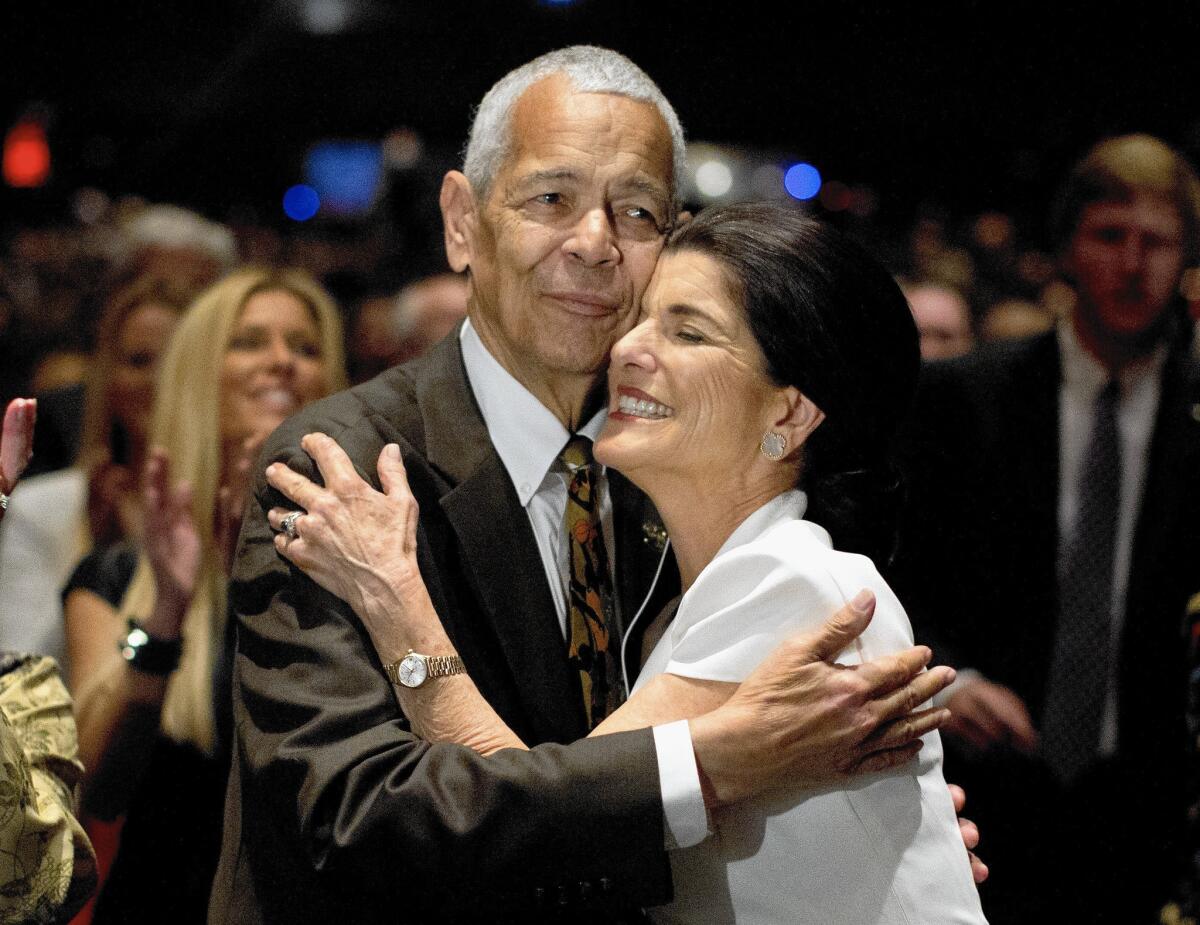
x=985 y=714
x=172 y=545
x=231 y=499
x=16 y=444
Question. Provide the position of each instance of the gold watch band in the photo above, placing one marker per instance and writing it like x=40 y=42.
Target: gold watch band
x=441 y=666
x=435 y=666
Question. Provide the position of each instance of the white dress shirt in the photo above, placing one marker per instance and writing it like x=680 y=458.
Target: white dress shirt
x=1083 y=377
x=528 y=438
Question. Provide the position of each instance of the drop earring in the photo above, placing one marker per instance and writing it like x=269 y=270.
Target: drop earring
x=773 y=445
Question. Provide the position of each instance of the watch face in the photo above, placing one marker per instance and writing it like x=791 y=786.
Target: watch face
x=413 y=671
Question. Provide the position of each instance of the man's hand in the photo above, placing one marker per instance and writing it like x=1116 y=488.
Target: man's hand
x=800 y=720
x=985 y=714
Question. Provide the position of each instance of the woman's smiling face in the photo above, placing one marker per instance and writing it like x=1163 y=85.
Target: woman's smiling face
x=688 y=388
x=274 y=364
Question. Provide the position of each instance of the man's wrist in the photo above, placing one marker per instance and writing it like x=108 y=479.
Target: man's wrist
x=685 y=814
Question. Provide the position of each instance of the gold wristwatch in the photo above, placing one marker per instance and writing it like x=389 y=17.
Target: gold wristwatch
x=415 y=669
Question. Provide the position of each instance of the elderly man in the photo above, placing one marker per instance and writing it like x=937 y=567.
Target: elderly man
x=1057 y=488
x=336 y=811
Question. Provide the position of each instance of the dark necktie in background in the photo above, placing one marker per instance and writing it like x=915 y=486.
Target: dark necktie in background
x=1078 y=684
x=589 y=588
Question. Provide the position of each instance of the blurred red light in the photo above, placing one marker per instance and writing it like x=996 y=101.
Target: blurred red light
x=836 y=196
x=26 y=155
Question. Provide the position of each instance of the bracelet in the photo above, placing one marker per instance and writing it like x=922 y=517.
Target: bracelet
x=149 y=654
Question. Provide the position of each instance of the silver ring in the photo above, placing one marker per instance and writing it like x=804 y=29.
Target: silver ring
x=288 y=524
x=3 y=501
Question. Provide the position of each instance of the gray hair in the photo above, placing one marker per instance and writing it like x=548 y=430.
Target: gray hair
x=176 y=227
x=591 y=70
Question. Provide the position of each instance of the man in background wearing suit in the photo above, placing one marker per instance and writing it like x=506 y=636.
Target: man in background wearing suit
x=1054 y=485
x=336 y=811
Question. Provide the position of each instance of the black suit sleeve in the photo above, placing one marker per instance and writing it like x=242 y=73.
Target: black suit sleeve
x=343 y=808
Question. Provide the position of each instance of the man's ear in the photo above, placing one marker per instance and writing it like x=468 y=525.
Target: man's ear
x=797 y=417
x=459 y=219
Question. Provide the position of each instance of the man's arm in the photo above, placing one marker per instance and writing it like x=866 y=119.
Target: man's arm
x=330 y=765
x=798 y=715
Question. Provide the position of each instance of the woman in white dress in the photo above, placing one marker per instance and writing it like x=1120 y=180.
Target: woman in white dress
x=754 y=401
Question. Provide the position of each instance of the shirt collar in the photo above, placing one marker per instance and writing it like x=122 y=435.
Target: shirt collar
x=788 y=505
x=1084 y=374
x=526 y=434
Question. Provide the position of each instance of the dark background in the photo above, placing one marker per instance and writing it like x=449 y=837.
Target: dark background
x=968 y=105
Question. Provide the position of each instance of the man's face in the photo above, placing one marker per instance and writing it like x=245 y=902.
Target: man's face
x=572 y=227
x=943 y=322
x=1125 y=259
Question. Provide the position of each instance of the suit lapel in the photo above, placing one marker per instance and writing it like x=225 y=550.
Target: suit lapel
x=501 y=561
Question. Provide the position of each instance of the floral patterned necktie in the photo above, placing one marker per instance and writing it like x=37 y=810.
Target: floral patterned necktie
x=589 y=588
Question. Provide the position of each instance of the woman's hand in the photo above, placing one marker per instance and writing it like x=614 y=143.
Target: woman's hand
x=16 y=443
x=969 y=832
x=172 y=545
x=113 y=503
x=361 y=545
x=231 y=499
x=358 y=543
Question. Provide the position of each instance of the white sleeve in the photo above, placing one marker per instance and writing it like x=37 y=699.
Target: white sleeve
x=683 y=804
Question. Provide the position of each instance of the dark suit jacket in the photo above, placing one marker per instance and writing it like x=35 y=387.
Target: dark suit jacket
x=977 y=560
x=336 y=811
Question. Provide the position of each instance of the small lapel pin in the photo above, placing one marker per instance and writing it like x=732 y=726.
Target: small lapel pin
x=654 y=534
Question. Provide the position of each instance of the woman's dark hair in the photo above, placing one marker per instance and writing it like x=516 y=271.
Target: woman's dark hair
x=833 y=323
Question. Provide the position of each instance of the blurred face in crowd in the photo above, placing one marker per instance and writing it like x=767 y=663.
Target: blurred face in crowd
x=564 y=246
x=273 y=365
x=943 y=321
x=140 y=343
x=1125 y=259
x=435 y=306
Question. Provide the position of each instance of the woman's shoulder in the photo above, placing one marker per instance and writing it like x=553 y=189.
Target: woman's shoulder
x=106 y=572
x=792 y=554
x=787 y=579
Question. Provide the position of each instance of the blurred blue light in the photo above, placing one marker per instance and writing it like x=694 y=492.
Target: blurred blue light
x=345 y=174
x=802 y=181
x=300 y=203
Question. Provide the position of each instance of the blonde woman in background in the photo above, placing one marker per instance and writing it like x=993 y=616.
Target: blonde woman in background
x=146 y=624
x=61 y=515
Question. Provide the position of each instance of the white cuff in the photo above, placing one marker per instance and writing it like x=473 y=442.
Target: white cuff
x=684 y=814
